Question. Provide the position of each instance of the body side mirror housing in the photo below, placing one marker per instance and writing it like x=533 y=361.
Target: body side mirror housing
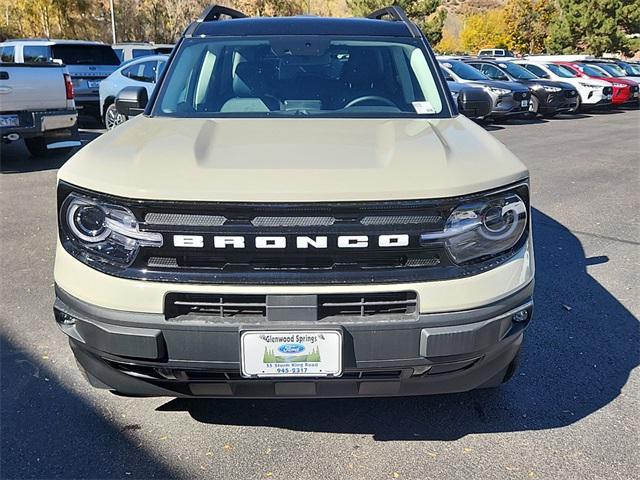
x=132 y=101
x=474 y=103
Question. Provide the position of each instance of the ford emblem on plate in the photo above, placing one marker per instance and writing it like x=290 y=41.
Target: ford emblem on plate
x=289 y=348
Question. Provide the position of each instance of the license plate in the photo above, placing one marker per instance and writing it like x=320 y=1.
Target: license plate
x=524 y=103
x=291 y=353
x=635 y=94
x=93 y=83
x=9 y=121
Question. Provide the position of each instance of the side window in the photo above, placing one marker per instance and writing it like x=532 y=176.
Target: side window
x=141 y=72
x=536 y=70
x=36 y=54
x=8 y=54
x=119 y=53
x=492 y=72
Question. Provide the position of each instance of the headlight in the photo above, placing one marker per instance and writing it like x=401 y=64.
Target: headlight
x=549 y=89
x=620 y=85
x=95 y=231
x=496 y=90
x=482 y=228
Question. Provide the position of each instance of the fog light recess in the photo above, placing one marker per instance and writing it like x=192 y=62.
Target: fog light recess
x=521 y=316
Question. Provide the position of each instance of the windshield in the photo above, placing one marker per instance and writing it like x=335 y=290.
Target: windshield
x=71 y=54
x=594 y=71
x=612 y=69
x=301 y=75
x=517 y=71
x=464 y=71
x=560 y=71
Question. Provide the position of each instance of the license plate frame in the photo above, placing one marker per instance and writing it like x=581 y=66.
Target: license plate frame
x=279 y=353
x=7 y=121
x=93 y=83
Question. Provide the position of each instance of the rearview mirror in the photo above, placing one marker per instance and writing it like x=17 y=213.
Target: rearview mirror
x=474 y=102
x=132 y=101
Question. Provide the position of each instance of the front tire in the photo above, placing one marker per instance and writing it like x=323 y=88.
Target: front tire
x=112 y=118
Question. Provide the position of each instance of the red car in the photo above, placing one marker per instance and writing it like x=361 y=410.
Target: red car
x=624 y=91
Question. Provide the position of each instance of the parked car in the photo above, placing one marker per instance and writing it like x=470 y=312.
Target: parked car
x=142 y=72
x=36 y=104
x=300 y=213
x=495 y=52
x=624 y=91
x=132 y=50
x=509 y=99
x=88 y=64
x=472 y=102
x=548 y=98
x=592 y=92
x=612 y=69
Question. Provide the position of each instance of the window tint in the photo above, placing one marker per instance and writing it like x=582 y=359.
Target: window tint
x=119 y=53
x=464 y=71
x=561 y=70
x=8 y=54
x=78 y=54
x=141 y=52
x=490 y=71
x=536 y=70
x=517 y=71
x=36 y=54
x=141 y=72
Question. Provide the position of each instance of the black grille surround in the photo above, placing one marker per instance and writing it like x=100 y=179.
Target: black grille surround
x=291 y=266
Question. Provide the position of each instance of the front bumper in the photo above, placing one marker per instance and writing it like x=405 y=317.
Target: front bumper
x=556 y=102
x=147 y=354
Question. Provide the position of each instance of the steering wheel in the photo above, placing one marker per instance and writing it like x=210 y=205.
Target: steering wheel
x=366 y=98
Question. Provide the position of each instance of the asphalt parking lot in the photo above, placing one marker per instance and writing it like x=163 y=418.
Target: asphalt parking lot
x=570 y=413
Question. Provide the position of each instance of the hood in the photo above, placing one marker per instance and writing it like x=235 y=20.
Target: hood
x=293 y=160
x=513 y=86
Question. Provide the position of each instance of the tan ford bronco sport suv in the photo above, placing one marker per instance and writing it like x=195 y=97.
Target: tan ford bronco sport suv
x=300 y=211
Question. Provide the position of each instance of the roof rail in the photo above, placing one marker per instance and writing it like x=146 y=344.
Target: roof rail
x=397 y=14
x=214 y=12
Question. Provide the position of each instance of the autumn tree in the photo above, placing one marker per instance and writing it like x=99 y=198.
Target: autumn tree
x=484 y=30
x=527 y=23
x=425 y=13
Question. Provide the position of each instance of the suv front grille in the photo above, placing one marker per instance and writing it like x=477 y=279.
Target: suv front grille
x=337 y=243
x=343 y=307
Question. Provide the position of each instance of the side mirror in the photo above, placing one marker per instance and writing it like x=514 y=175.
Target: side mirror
x=474 y=103
x=131 y=101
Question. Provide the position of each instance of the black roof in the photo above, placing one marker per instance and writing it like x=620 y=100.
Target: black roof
x=301 y=25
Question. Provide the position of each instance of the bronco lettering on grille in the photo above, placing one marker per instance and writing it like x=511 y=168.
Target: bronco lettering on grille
x=301 y=242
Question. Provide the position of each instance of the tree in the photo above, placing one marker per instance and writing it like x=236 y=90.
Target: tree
x=592 y=27
x=484 y=30
x=527 y=23
x=425 y=13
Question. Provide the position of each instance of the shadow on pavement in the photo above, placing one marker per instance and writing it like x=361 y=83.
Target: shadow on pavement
x=15 y=158
x=49 y=431
x=577 y=356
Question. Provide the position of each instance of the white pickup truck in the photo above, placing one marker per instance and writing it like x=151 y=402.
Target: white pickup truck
x=37 y=105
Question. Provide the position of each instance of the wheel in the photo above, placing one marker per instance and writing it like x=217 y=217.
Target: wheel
x=112 y=118
x=578 y=105
x=534 y=105
x=37 y=147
